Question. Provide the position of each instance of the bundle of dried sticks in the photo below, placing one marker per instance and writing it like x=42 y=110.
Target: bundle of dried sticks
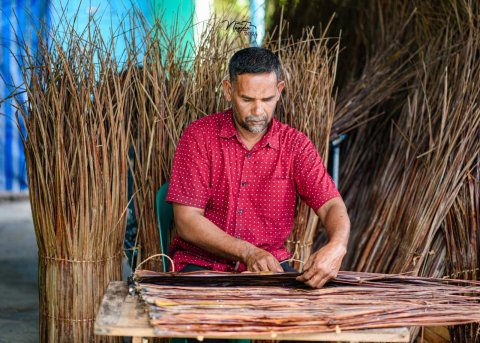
x=202 y=305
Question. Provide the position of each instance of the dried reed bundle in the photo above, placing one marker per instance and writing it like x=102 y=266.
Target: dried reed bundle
x=75 y=147
x=152 y=86
x=210 y=304
x=435 y=142
x=309 y=66
x=176 y=85
x=386 y=71
x=462 y=234
x=405 y=172
x=409 y=107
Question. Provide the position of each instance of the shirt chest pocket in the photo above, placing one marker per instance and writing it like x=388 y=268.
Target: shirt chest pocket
x=277 y=198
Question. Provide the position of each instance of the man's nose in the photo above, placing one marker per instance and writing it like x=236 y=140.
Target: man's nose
x=257 y=108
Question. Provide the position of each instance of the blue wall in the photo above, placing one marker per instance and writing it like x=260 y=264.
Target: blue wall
x=18 y=22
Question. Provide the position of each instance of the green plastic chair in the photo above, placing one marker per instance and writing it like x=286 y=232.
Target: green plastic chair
x=165 y=220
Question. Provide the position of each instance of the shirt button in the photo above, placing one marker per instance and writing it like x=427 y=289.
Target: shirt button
x=244 y=183
x=249 y=155
x=240 y=211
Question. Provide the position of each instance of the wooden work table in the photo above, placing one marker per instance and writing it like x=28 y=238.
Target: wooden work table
x=121 y=314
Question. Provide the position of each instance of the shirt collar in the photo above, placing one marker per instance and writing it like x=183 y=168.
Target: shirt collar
x=271 y=138
x=228 y=127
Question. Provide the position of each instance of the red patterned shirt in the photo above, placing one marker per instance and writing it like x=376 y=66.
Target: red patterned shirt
x=248 y=194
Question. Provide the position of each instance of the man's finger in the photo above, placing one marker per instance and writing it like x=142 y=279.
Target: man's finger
x=306 y=275
x=308 y=264
x=259 y=266
x=313 y=281
x=265 y=265
x=274 y=266
x=309 y=273
x=329 y=276
x=318 y=281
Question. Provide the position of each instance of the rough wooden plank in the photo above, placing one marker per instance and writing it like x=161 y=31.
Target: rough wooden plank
x=112 y=303
x=122 y=315
x=126 y=318
x=366 y=335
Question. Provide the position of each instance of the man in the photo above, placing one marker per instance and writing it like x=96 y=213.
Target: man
x=235 y=177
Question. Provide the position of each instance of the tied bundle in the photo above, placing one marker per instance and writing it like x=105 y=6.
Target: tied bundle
x=76 y=143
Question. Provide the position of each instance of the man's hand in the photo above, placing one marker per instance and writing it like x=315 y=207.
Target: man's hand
x=259 y=260
x=323 y=265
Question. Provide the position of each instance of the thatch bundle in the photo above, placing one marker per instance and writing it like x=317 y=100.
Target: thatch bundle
x=210 y=304
x=75 y=146
x=408 y=98
x=424 y=151
x=410 y=176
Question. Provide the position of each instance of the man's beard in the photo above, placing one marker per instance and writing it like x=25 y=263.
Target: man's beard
x=253 y=124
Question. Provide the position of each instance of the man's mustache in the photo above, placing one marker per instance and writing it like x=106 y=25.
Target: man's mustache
x=253 y=119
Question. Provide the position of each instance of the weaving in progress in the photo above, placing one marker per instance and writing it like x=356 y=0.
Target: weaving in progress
x=239 y=305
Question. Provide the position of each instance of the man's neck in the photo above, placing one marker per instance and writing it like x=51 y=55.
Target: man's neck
x=249 y=138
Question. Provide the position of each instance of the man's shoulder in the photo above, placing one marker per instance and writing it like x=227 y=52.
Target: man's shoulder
x=209 y=125
x=289 y=135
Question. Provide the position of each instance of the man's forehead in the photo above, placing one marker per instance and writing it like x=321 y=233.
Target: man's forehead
x=267 y=76
x=256 y=82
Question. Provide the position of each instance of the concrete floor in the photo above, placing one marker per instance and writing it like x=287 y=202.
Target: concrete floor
x=19 y=319
x=18 y=273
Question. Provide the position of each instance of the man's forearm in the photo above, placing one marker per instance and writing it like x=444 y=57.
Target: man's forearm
x=198 y=230
x=337 y=224
x=323 y=265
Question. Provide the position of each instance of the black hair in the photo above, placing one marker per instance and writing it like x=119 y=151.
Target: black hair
x=253 y=60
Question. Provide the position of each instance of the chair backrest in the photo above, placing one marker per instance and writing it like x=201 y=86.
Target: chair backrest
x=164 y=220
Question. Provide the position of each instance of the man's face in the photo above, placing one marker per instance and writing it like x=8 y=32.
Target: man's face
x=254 y=97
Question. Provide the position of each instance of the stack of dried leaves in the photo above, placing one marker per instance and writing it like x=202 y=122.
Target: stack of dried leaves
x=208 y=304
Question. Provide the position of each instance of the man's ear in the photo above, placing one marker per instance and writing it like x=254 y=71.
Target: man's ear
x=280 y=87
x=227 y=90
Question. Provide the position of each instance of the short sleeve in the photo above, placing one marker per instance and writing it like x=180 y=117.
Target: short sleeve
x=190 y=178
x=314 y=184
